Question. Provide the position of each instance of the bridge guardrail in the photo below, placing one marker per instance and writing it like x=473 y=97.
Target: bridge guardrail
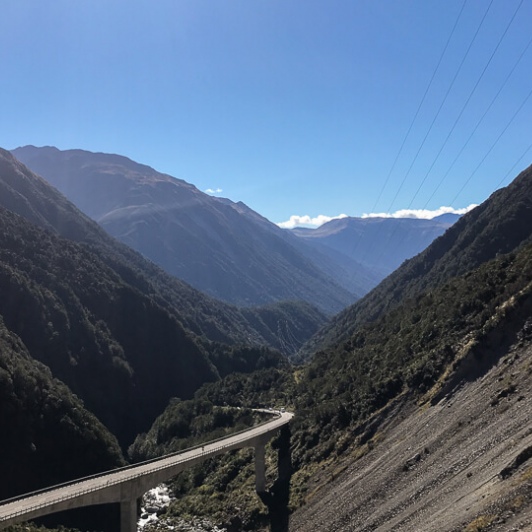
x=88 y=490
x=118 y=470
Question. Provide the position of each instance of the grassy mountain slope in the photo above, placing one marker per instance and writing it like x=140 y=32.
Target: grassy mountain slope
x=198 y=238
x=25 y=193
x=498 y=226
x=346 y=270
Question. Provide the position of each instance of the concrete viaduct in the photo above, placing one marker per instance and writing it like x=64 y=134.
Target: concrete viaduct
x=126 y=485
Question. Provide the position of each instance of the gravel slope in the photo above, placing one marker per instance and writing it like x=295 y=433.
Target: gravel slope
x=438 y=468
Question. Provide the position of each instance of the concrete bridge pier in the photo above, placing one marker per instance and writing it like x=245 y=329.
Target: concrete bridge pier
x=278 y=496
x=260 y=465
x=260 y=468
x=129 y=508
x=128 y=516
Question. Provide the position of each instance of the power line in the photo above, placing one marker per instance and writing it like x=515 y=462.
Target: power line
x=481 y=23
x=407 y=134
x=479 y=122
x=466 y=102
x=514 y=165
x=493 y=145
x=419 y=106
x=485 y=157
x=442 y=104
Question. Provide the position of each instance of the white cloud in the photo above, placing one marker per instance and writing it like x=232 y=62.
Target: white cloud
x=308 y=221
x=214 y=190
x=313 y=222
x=419 y=213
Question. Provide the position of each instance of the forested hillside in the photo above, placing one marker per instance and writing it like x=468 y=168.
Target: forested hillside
x=99 y=321
x=45 y=428
x=499 y=225
x=427 y=344
x=453 y=331
x=116 y=348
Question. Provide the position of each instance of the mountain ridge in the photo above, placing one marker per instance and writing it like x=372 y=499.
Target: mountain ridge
x=382 y=244
x=211 y=244
x=107 y=321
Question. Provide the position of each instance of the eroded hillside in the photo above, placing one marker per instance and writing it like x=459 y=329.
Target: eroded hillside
x=463 y=463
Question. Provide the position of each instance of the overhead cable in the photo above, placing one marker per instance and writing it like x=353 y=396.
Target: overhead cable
x=419 y=106
x=479 y=122
x=510 y=172
x=493 y=145
x=466 y=103
x=441 y=105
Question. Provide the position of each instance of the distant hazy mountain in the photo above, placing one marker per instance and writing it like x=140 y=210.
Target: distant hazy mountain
x=219 y=247
x=381 y=244
x=347 y=271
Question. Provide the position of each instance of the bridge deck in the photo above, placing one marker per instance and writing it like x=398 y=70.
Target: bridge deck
x=130 y=482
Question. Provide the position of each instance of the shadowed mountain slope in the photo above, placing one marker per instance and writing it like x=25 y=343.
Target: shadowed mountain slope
x=122 y=334
x=45 y=428
x=203 y=240
x=345 y=269
x=115 y=347
x=27 y=194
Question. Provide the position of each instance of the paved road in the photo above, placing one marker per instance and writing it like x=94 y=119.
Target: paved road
x=129 y=482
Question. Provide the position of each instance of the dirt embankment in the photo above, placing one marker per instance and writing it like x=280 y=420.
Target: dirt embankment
x=463 y=464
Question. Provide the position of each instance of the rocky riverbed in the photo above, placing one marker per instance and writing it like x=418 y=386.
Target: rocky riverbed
x=153 y=518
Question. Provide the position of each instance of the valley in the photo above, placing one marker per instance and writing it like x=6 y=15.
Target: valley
x=266 y=266
x=411 y=397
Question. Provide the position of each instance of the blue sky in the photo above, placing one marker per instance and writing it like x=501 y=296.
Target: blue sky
x=295 y=107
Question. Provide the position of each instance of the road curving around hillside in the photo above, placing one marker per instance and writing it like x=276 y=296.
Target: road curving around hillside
x=131 y=481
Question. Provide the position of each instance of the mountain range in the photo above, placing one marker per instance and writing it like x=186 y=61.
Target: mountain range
x=95 y=319
x=217 y=246
x=225 y=249
x=415 y=400
x=381 y=244
x=421 y=391
x=496 y=227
